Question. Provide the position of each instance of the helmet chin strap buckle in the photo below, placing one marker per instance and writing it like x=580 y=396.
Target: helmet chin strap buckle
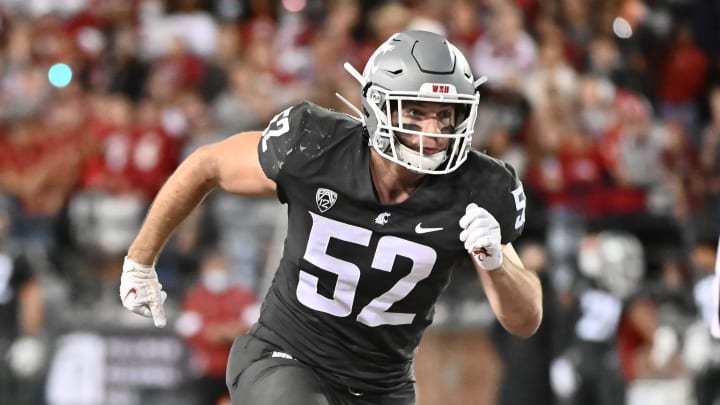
x=381 y=143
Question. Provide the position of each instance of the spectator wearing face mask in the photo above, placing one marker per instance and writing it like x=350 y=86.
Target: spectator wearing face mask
x=215 y=311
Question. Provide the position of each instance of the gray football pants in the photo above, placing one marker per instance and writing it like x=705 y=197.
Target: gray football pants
x=259 y=375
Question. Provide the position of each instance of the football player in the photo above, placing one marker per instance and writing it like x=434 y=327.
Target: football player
x=381 y=208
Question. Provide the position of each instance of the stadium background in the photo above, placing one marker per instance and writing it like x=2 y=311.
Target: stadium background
x=608 y=109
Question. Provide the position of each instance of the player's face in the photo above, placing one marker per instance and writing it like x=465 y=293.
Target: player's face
x=427 y=117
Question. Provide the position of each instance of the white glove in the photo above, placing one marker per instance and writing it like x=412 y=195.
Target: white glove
x=26 y=356
x=141 y=292
x=481 y=234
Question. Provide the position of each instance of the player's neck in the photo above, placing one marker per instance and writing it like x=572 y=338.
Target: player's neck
x=393 y=183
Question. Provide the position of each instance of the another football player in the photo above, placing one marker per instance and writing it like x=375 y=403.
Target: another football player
x=381 y=208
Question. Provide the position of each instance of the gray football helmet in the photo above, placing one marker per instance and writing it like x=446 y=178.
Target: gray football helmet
x=418 y=66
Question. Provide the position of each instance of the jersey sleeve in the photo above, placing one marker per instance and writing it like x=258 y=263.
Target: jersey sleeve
x=512 y=218
x=496 y=187
x=296 y=144
x=280 y=139
x=296 y=139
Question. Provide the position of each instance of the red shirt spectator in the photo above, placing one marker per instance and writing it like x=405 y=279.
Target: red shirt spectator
x=39 y=162
x=218 y=312
x=129 y=158
x=572 y=177
x=684 y=72
x=215 y=312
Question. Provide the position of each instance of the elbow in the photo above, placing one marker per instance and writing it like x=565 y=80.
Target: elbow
x=527 y=325
x=530 y=328
x=201 y=169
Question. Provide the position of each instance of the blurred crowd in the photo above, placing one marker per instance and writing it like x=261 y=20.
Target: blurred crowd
x=608 y=109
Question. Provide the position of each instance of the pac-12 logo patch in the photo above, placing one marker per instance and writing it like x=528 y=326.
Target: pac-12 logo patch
x=325 y=199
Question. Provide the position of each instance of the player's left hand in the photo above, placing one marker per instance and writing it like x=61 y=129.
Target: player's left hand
x=141 y=291
x=481 y=234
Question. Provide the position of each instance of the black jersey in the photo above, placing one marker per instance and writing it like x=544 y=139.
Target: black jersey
x=358 y=280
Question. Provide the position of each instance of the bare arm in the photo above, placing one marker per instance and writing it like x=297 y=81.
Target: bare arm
x=231 y=165
x=31 y=308
x=514 y=293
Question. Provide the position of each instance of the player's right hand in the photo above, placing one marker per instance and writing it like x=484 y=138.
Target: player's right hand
x=141 y=291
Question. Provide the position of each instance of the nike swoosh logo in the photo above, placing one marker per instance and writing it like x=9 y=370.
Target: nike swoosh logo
x=419 y=229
